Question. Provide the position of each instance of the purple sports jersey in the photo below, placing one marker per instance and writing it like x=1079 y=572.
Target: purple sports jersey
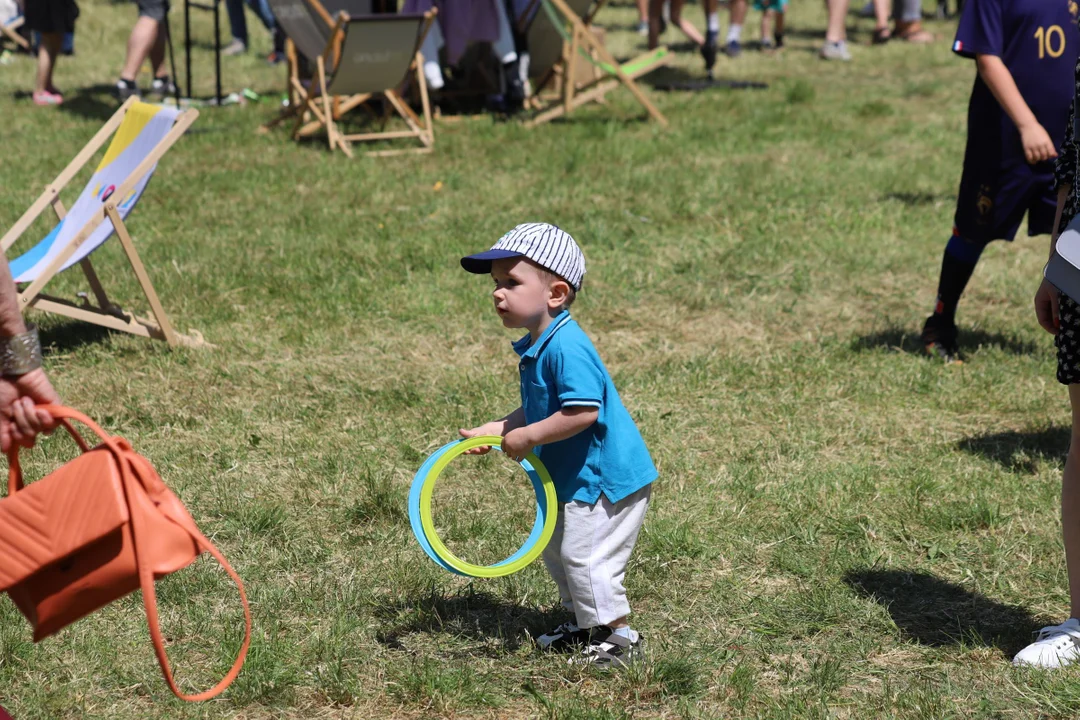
x=1038 y=41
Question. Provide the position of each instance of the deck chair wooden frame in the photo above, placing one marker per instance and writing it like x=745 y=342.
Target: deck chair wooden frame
x=105 y=313
x=318 y=100
x=315 y=22
x=580 y=45
x=9 y=31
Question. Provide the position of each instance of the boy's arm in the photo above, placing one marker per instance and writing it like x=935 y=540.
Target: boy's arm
x=1038 y=145
x=502 y=426
x=566 y=423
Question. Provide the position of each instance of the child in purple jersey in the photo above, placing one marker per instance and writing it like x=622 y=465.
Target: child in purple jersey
x=1025 y=51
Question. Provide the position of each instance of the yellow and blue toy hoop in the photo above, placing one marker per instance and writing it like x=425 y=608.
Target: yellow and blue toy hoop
x=423 y=527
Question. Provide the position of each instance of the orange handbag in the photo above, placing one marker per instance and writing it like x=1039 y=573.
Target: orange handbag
x=93 y=531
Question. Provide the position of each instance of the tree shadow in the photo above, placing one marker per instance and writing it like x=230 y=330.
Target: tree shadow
x=477 y=615
x=58 y=339
x=938 y=613
x=905 y=339
x=1020 y=451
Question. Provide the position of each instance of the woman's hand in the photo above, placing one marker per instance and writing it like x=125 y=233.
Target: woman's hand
x=1046 y=307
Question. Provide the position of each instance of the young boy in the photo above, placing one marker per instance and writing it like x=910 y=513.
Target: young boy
x=1025 y=51
x=770 y=9
x=571 y=414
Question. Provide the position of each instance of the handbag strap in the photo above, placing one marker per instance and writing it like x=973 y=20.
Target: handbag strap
x=128 y=476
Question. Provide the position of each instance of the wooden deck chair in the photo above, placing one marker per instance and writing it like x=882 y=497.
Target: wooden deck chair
x=9 y=29
x=141 y=135
x=367 y=58
x=560 y=38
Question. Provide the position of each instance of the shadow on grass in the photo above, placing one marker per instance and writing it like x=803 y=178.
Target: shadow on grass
x=938 y=613
x=673 y=78
x=907 y=339
x=1021 y=451
x=477 y=615
x=917 y=199
x=57 y=339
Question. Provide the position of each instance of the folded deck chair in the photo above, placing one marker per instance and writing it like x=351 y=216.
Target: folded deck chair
x=141 y=134
x=560 y=38
x=368 y=58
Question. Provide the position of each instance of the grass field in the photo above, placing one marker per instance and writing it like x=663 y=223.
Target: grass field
x=842 y=528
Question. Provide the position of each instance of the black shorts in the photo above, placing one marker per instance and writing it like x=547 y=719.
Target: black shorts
x=52 y=16
x=1067 y=341
x=153 y=9
x=992 y=202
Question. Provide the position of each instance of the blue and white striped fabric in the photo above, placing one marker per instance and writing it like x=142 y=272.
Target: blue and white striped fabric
x=543 y=243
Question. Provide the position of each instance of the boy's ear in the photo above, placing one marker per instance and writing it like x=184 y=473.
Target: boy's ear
x=560 y=291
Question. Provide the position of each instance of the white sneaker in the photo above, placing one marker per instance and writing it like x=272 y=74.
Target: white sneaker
x=1056 y=646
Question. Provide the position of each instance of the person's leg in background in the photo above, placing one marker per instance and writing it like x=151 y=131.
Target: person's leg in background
x=45 y=93
x=737 y=16
x=835 y=47
x=147 y=40
x=642 y=26
x=712 y=32
x=881 y=22
x=237 y=26
x=908 y=16
x=506 y=51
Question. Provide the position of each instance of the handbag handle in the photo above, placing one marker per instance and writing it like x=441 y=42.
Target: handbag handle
x=146 y=575
x=15 y=474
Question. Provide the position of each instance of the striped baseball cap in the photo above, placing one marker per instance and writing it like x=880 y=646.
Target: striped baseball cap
x=543 y=243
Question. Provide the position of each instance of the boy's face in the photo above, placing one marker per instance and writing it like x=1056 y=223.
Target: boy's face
x=522 y=294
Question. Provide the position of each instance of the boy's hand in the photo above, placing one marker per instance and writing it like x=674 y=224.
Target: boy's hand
x=1046 y=307
x=517 y=444
x=1037 y=144
x=491 y=428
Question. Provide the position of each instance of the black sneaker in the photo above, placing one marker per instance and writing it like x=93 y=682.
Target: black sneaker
x=163 y=87
x=125 y=89
x=939 y=339
x=565 y=637
x=708 y=52
x=607 y=649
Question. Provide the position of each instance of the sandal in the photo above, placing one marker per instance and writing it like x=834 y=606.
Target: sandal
x=881 y=36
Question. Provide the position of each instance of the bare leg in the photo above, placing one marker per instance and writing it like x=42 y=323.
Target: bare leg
x=836 y=30
x=687 y=28
x=157 y=55
x=881 y=18
x=47 y=52
x=1070 y=504
x=643 y=10
x=656 y=19
x=142 y=41
x=739 y=9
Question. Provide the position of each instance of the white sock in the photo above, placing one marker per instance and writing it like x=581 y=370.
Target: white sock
x=627 y=633
x=713 y=22
x=734 y=33
x=433 y=74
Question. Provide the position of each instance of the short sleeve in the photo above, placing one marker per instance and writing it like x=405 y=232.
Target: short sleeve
x=980 y=31
x=579 y=377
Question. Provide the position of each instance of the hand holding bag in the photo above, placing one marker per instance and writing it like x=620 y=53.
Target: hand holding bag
x=93 y=531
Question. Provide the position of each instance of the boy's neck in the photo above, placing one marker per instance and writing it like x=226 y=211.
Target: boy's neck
x=545 y=321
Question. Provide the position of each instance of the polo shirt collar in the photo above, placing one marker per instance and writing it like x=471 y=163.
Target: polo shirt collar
x=526 y=350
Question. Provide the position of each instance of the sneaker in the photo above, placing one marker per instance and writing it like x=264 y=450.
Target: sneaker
x=642 y=28
x=236 y=47
x=767 y=45
x=779 y=40
x=126 y=89
x=44 y=97
x=1056 y=646
x=163 y=87
x=566 y=636
x=708 y=52
x=275 y=58
x=607 y=649
x=835 y=51
x=939 y=339
x=733 y=49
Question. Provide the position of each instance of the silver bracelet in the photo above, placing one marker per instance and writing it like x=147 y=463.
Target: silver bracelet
x=19 y=354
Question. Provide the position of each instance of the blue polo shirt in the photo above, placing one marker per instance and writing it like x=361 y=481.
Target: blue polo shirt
x=561 y=369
